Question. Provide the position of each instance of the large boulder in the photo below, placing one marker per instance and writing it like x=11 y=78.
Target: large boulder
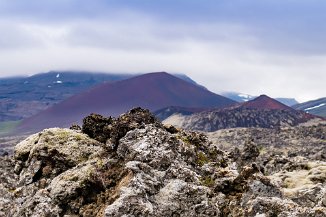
x=51 y=152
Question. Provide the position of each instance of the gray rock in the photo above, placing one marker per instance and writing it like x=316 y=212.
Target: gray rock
x=158 y=172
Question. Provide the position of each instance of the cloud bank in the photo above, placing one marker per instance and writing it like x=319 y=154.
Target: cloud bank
x=271 y=47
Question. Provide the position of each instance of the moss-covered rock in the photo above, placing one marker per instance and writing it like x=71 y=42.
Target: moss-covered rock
x=51 y=152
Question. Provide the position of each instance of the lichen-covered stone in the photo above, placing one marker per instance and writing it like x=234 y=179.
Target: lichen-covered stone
x=51 y=152
x=154 y=171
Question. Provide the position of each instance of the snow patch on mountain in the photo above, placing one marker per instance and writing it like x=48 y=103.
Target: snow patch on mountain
x=314 y=107
x=245 y=97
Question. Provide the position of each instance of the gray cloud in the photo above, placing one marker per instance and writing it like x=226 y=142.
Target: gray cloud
x=275 y=47
x=16 y=37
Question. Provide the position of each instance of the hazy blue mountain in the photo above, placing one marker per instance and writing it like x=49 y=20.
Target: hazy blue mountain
x=22 y=97
x=316 y=107
x=287 y=101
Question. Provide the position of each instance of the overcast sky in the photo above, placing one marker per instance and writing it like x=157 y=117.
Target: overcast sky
x=276 y=47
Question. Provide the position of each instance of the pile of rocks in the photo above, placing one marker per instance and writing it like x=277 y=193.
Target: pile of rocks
x=134 y=166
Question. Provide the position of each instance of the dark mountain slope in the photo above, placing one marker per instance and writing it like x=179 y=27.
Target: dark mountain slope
x=264 y=102
x=22 y=97
x=261 y=102
x=152 y=91
x=263 y=112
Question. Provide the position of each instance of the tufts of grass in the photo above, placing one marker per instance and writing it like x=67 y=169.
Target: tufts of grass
x=202 y=159
x=207 y=181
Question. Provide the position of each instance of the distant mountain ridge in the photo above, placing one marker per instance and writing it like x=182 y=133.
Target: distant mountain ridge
x=152 y=91
x=261 y=102
x=264 y=102
x=241 y=97
x=316 y=107
x=263 y=112
x=22 y=97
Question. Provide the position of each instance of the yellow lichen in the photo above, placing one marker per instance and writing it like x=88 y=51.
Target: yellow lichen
x=202 y=158
x=207 y=181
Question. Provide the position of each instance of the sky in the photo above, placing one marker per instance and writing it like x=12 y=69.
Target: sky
x=273 y=47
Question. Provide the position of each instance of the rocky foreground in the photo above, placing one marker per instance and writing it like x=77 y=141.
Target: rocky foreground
x=135 y=166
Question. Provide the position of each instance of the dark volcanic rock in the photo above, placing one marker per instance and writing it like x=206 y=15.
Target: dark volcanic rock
x=95 y=126
x=134 y=119
x=111 y=130
x=75 y=127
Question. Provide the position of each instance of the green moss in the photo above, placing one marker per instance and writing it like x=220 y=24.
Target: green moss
x=79 y=137
x=63 y=134
x=207 y=181
x=261 y=149
x=223 y=163
x=82 y=158
x=73 y=178
x=100 y=163
x=202 y=159
x=184 y=139
x=12 y=190
x=193 y=138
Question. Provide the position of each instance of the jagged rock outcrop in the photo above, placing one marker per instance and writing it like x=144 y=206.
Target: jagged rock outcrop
x=134 y=166
x=111 y=130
